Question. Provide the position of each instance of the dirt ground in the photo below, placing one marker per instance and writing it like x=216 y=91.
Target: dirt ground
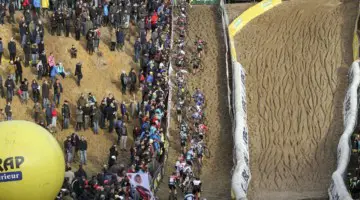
x=101 y=76
x=235 y=9
x=296 y=57
x=216 y=170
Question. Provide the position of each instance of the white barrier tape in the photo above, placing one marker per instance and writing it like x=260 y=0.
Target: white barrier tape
x=338 y=190
x=241 y=172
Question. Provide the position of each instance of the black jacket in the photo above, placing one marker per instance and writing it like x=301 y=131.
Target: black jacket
x=12 y=47
x=8 y=111
x=65 y=111
x=9 y=84
x=78 y=71
x=82 y=145
x=58 y=88
x=11 y=8
x=45 y=90
x=18 y=67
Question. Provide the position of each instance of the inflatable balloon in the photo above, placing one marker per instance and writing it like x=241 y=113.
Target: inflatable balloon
x=32 y=165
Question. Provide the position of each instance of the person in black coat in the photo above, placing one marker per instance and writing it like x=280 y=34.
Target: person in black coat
x=12 y=49
x=67 y=24
x=10 y=86
x=27 y=52
x=78 y=73
x=110 y=110
x=18 y=71
x=12 y=12
x=75 y=141
x=2 y=91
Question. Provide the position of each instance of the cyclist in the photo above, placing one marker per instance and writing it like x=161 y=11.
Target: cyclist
x=195 y=64
x=190 y=156
x=199 y=153
x=200 y=46
x=184 y=138
x=196 y=185
x=198 y=96
x=187 y=175
x=189 y=196
x=172 y=182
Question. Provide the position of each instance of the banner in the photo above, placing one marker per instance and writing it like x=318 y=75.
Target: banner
x=204 y=2
x=140 y=182
x=338 y=189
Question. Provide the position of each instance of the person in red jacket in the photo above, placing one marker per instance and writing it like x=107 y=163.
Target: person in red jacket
x=25 y=4
x=154 y=19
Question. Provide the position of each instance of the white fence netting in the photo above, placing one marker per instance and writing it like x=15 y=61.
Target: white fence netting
x=338 y=190
x=241 y=172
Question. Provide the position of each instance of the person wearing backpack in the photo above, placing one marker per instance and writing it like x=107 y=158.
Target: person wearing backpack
x=124 y=82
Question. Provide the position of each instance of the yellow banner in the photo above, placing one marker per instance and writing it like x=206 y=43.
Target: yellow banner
x=246 y=17
x=355 y=44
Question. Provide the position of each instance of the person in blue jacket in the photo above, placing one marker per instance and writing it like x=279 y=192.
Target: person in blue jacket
x=37 y=5
x=53 y=74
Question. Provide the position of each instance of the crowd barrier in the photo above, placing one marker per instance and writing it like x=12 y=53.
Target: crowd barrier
x=160 y=172
x=338 y=189
x=241 y=174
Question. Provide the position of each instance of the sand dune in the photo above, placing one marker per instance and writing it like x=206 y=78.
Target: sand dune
x=296 y=57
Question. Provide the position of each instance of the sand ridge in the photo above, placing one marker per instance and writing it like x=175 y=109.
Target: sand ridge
x=296 y=57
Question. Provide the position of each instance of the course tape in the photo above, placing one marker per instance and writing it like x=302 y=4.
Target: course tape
x=241 y=174
x=246 y=17
x=338 y=189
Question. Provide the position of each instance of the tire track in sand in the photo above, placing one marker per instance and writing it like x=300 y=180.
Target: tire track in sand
x=296 y=57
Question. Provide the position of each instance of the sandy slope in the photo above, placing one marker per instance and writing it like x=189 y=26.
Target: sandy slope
x=101 y=75
x=205 y=23
x=296 y=57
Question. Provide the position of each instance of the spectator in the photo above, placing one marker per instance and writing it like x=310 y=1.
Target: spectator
x=1 y=49
x=83 y=149
x=69 y=174
x=119 y=39
x=75 y=141
x=66 y=115
x=123 y=79
x=68 y=150
x=2 y=91
x=18 y=70
x=96 y=119
x=37 y=112
x=12 y=49
x=118 y=129
x=10 y=86
x=24 y=88
x=8 y=111
x=137 y=50
x=81 y=172
x=45 y=92
x=79 y=118
x=11 y=12
x=58 y=89
x=78 y=73
x=124 y=135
